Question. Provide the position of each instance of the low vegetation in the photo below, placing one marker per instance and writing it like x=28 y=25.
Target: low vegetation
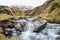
x=49 y=11
x=2 y=37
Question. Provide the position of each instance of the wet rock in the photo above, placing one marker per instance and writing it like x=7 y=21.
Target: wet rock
x=39 y=25
x=8 y=32
x=58 y=32
x=20 y=24
x=58 y=38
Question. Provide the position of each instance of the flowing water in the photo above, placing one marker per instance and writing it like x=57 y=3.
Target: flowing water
x=49 y=33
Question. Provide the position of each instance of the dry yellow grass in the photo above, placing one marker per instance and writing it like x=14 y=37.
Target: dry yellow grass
x=51 y=13
x=5 y=16
x=15 y=38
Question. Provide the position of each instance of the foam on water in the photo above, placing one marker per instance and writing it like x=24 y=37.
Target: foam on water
x=49 y=33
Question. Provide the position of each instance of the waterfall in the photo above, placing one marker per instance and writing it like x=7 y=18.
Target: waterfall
x=29 y=26
x=28 y=34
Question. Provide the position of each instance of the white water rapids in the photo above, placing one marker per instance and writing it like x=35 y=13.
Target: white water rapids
x=49 y=33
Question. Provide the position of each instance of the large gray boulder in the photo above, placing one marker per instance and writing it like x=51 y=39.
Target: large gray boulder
x=39 y=25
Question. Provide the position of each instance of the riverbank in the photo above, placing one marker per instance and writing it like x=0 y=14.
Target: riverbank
x=49 y=32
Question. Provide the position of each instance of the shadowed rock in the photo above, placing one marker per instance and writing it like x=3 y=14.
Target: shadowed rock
x=40 y=25
x=58 y=38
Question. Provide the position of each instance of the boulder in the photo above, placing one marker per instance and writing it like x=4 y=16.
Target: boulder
x=39 y=25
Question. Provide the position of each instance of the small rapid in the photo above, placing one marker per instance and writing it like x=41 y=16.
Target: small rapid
x=49 y=33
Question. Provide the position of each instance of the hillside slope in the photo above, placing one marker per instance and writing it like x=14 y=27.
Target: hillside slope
x=50 y=11
x=11 y=12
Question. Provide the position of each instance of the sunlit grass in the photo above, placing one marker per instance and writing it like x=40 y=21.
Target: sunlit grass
x=5 y=16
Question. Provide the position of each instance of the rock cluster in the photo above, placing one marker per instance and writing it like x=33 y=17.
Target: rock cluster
x=9 y=29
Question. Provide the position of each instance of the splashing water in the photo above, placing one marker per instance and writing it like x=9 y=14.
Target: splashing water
x=29 y=26
x=49 y=33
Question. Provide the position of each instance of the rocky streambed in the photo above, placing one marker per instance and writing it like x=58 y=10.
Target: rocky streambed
x=51 y=32
x=33 y=29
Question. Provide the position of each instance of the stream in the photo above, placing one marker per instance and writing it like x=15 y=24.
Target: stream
x=50 y=32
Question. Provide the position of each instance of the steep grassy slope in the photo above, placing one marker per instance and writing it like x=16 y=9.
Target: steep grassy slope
x=11 y=12
x=49 y=11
